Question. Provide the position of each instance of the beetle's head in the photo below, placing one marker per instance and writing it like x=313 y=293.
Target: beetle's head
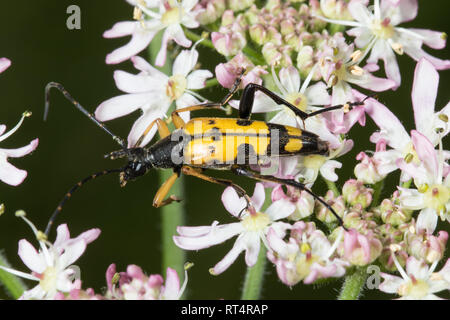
x=137 y=165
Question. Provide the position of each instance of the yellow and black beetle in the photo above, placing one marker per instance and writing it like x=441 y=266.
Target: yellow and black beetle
x=211 y=143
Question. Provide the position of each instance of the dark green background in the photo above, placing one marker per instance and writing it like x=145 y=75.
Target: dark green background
x=34 y=36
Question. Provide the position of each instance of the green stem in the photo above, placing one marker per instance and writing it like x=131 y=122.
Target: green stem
x=14 y=286
x=254 y=277
x=211 y=83
x=254 y=56
x=407 y=184
x=332 y=186
x=378 y=188
x=195 y=37
x=354 y=284
x=172 y=215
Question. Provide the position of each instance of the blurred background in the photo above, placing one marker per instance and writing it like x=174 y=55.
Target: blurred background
x=35 y=38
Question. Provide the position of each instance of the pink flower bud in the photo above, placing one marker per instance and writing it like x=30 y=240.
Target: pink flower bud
x=226 y=73
x=258 y=34
x=367 y=170
x=426 y=246
x=239 y=5
x=228 y=44
x=337 y=203
x=391 y=213
x=213 y=10
x=361 y=249
x=355 y=192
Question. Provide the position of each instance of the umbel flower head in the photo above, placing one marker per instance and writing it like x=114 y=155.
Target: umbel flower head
x=251 y=229
x=376 y=30
x=418 y=281
x=9 y=173
x=135 y=285
x=170 y=17
x=153 y=92
x=50 y=265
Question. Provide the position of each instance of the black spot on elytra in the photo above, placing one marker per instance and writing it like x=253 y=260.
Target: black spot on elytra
x=211 y=121
x=244 y=122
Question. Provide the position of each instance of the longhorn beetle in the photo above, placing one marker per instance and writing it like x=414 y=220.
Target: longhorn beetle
x=201 y=144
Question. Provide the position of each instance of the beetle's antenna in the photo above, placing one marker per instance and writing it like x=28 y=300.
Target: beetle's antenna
x=323 y=202
x=346 y=106
x=72 y=190
x=79 y=107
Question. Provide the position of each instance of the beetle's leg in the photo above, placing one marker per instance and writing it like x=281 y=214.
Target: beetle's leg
x=158 y=200
x=179 y=123
x=248 y=96
x=79 y=107
x=290 y=182
x=196 y=173
x=163 y=131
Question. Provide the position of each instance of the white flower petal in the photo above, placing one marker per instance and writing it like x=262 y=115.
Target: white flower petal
x=290 y=79
x=327 y=170
x=391 y=283
x=427 y=154
x=185 y=62
x=197 y=79
x=317 y=95
x=230 y=257
x=4 y=64
x=30 y=257
x=139 y=41
x=124 y=104
x=217 y=234
x=20 y=152
x=427 y=220
x=72 y=252
x=253 y=244
x=280 y=209
x=131 y=83
x=121 y=29
x=172 y=285
x=411 y=199
x=424 y=91
x=259 y=196
x=392 y=129
x=232 y=202
x=10 y=174
x=360 y=12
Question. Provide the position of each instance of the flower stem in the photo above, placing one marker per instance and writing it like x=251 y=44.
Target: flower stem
x=354 y=284
x=195 y=37
x=172 y=215
x=211 y=83
x=14 y=286
x=332 y=186
x=254 y=277
x=407 y=184
x=378 y=188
